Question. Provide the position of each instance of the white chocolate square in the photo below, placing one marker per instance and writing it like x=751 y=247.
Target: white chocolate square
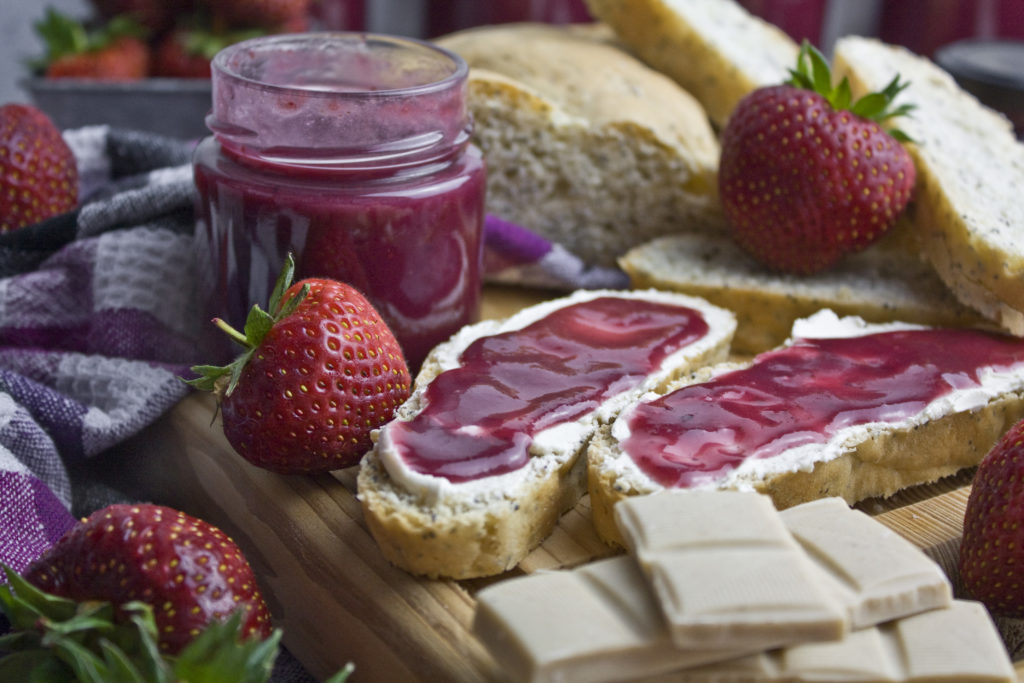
x=879 y=574
x=727 y=572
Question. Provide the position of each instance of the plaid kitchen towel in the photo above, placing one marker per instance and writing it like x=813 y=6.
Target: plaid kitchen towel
x=94 y=327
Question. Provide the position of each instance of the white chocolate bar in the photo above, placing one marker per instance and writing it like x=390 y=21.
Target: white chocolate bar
x=878 y=574
x=596 y=623
x=955 y=644
x=726 y=571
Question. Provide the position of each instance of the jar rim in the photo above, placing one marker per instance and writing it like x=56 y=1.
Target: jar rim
x=226 y=62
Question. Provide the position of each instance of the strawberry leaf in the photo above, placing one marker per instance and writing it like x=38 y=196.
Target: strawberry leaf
x=812 y=72
x=257 y=324
x=219 y=653
x=19 y=600
x=342 y=675
x=821 y=74
x=284 y=281
x=32 y=666
x=120 y=665
x=870 y=106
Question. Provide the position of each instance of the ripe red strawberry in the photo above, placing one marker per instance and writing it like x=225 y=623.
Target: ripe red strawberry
x=116 y=51
x=122 y=59
x=805 y=177
x=992 y=549
x=38 y=174
x=321 y=370
x=187 y=570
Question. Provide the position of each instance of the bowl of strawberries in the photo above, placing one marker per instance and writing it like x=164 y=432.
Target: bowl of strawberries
x=145 y=64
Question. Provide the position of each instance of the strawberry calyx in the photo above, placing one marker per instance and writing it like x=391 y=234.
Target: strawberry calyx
x=812 y=73
x=63 y=36
x=95 y=642
x=222 y=380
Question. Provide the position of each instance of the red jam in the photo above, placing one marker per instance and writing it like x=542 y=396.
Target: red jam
x=413 y=248
x=481 y=417
x=804 y=395
x=352 y=152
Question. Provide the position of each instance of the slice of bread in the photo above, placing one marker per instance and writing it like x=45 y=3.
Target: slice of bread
x=936 y=438
x=970 y=171
x=431 y=525
x=881 y=284
x=715 y=49
x=585 y=145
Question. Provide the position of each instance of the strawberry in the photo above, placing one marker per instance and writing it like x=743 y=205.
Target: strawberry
x=116 y=51
x=186 y=52
x=992 y=548
x=38 y=173
x=319 y=372
x=805 y=177
x=187 y=570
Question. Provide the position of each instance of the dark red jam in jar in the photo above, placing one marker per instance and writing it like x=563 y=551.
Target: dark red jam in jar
x=481 y=417
x=352 y=152
x=804 y=395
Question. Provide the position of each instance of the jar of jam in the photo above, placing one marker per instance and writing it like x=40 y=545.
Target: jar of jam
x=352 y=152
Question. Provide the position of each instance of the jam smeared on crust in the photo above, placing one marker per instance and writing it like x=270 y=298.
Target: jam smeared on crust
x=805 y=394
x=481 y=417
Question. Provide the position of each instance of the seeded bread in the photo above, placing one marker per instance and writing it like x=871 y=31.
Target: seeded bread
x=715 y=49
x=584 y=144
x=970 y=171
x=878 y=461
x=462 y=530
x=883 y=284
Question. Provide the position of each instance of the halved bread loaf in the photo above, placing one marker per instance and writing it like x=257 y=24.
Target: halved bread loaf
x=970 y=171
x=884 y=433
x=585 y=145
x=715 y=49
x=438 y=522
x=881 y=284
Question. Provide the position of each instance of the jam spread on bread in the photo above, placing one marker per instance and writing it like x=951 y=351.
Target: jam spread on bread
x=480 y=418
x=804 y=394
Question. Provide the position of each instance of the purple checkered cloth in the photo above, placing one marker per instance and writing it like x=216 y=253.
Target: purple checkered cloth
x=94 y=327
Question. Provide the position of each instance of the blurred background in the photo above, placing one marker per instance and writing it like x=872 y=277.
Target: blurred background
x=924 y=26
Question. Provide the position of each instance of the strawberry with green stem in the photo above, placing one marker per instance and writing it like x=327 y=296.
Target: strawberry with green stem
x=115 y=51
x=320 y=370
x=808 y=175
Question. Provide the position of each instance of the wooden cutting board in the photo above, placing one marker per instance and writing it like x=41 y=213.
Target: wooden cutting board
x=327 y=584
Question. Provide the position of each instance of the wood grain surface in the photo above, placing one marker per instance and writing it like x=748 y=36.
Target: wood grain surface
x=327 y=584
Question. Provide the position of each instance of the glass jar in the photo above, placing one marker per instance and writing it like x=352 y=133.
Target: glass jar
x=352 y=152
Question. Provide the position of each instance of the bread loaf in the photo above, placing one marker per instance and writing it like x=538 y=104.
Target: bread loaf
x=441 y=523
x=715 y=49
x=881 y=284
x=584 y=144
x=885 y=432
x=970 y=171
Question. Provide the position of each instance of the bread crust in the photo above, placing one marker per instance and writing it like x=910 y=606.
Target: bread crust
x=879 y=466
